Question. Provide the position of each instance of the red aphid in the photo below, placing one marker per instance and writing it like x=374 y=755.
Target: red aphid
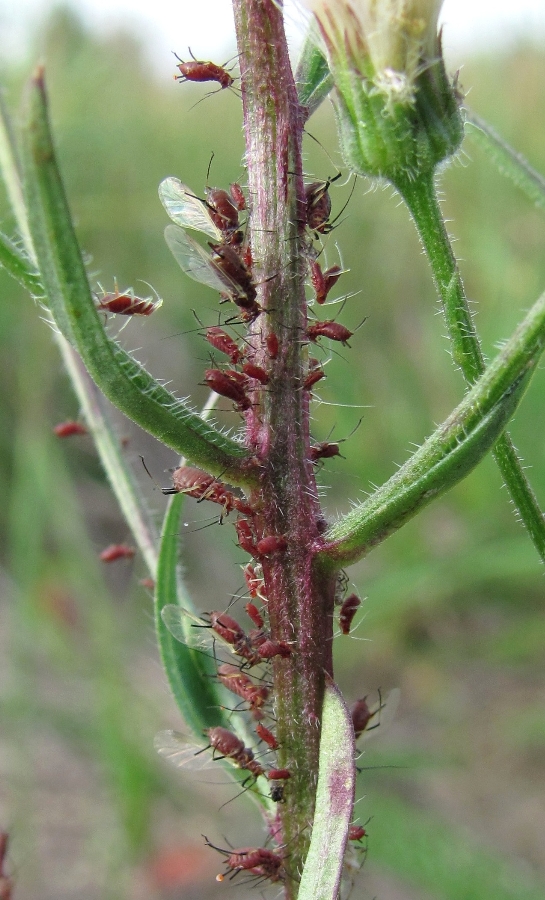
x=223 y=211
x=329 y=329
x=266 y=736
x=226 y=386
x=278 y=774
x=199 y=70
x=319 y=205
x=243 y=686
x=256 y=372
x=255 y=860
x=254 y=614
x=229 y=745
x=238 y=195
x=254 y=583
x=356 y=832
x=117 y=551
x=268 y=649
x=227 y=628
x=127 y=304
x=361 y=716
x=272 y=344
x=246 y=537
x=68 y=429
x=229 y=261
x=322 y=282
x=347 y=612
x=312 y=378
x=225 y=344
x=325 y=450
x=273 y=543
x=6 y=883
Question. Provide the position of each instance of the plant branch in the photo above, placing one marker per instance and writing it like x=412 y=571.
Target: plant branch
x=450 y=453
x=421 y=199
x=119 y=376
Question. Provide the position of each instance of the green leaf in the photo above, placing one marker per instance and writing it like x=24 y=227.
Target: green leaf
x=312 y=76
x=451 y=452
x=510 y=163
x=18 y=266
x=190 y=673
x=334 y=801
x=121 y=378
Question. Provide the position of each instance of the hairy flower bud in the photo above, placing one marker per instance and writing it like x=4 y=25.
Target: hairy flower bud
x=397 y=112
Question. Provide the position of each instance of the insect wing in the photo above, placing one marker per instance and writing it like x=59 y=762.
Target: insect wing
x=180 y=753
x=189 y=629
x=196 y=262
x=382 y=715
x=185 y=209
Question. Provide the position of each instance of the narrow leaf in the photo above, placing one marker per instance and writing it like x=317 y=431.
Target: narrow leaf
x=121 y=378
x=18 y=266
x=451 y=452
x=312 y=76
x=510 y=163
x=190 y=673
x=321 y=876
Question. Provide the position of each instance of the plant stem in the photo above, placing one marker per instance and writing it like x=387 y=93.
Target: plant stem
x=421 y=199
x=300 y=604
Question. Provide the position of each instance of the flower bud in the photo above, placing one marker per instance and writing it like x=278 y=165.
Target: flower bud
x=397 y=112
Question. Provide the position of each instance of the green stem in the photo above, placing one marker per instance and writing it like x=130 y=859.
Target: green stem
x=421 y=199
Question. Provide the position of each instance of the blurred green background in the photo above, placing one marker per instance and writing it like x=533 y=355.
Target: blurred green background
x=454 y=613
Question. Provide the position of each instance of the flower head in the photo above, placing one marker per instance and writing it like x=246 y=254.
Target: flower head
x=387 y=41
x=397 y=111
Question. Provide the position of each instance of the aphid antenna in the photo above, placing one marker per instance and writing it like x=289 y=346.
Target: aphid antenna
x=321 y=146
x=342 y=299
x=141 y=280
x=331 y=225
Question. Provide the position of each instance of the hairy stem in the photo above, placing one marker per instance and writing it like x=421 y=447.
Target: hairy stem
x=299 y=602
x=421 y=199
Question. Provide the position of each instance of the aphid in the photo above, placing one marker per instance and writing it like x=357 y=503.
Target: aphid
x=238 y=195
x=199 y=265
x=115 y=552
x=273 y=543
x=329 y=329
x=243 y=686
x=246 y=537
x=255 y=860
x=234 y=268
x=272 y=344
x=200 y=70
x=68 y=429
x=221 y=341
x=126 y=303
x=6 y=883
x=315 y=374
x=268 y=649
x=356 y=832
x=229 y=745
x=347 y=612
x=266 y=736
x=254 y=614
x=384 y=711
x=322 y=282
x=223 y=210
x=277 y=792
x=256 y=372
x=183 y=754
x=319 y=205
x=200 y=635
x=278 y=774
x=325 y=450
x=202 y=486
x=224 y=384
x=254 y=581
